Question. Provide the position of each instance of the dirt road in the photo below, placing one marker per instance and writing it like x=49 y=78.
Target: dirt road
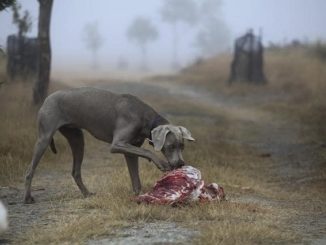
x=295 y=165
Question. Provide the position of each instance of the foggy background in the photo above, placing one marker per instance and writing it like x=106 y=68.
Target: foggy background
x=259 y=119
x=280 y=21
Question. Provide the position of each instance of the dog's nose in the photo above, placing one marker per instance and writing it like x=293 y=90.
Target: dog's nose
x=180 y=164
x=177 y=164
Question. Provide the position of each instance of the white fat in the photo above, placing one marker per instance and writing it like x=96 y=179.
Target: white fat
x=192 y=172
x=215 y=186
x=196 y=193
x=173 y=196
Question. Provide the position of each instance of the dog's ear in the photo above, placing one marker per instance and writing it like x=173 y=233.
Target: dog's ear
x=158 y=136
x=186 y=134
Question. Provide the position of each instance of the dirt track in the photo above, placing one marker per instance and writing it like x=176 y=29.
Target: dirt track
x=295 y=164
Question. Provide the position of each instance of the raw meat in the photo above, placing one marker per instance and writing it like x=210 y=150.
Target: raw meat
x=180 y=186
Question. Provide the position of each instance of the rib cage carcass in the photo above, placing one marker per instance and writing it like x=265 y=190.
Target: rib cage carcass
x=180 y=186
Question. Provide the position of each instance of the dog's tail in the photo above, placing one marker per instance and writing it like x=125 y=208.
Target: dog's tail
x=52 y=146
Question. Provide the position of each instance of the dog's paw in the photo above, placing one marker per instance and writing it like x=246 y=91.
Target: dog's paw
x=164 y=166
x=29 y=200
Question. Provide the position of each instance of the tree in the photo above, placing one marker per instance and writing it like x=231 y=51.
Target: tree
x=213 y=38
x=210 y=8
x=248 y=60
x=41 y=85
x=213 y=35
x=6 y=3
x=19 y=50
x=93 y=40
x=23 y=23
x=175 y=12
x=142 y=31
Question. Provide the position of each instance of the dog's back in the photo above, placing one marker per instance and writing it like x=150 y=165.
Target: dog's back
x=96 y=110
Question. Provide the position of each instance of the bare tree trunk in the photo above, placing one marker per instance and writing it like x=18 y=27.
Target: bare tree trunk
x=144 y=66
x=40 y=89
x=94 y=62
x=175 y=63
x=248 y=60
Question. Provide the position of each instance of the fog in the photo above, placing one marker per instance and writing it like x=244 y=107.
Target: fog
x=279 y=20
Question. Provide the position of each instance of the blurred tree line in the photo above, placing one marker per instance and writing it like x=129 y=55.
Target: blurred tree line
x=93 y=41
x=43 y=50
x=141 y=32
x=6 y=3
x=201 y=16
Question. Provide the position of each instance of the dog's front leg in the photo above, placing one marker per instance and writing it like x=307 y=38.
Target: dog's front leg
x=132 y=163
x=125 y=148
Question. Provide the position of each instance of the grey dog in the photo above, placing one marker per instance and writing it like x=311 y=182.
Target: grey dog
x=122 y=120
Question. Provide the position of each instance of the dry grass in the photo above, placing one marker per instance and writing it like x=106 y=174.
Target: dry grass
x=18 y=131
x=302 y=79
x=233 y=166
x=111 y=209
x=296 y=85
x=230 y=223
x=2 y=68
x=219 y=153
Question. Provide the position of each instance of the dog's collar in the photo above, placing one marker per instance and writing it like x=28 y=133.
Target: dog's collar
x=156 y=122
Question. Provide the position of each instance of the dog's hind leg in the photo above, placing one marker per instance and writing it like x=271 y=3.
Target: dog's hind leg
x=39 y=149
x=76 y=141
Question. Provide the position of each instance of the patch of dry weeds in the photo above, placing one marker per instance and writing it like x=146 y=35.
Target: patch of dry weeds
x=112 y=208
x=18 y=131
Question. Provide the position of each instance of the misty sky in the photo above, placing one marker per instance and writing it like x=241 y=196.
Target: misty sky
x=280 y=20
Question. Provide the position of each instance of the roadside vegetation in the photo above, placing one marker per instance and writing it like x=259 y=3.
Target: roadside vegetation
x=296 y=86
x=18 y=130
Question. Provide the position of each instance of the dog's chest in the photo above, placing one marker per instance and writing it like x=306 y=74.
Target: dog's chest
x=138 y=141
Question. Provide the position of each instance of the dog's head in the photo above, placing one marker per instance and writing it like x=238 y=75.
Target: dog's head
x=170 y=140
